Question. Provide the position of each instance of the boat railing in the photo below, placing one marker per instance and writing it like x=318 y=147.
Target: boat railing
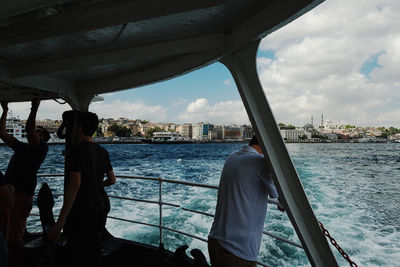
x=161 y=203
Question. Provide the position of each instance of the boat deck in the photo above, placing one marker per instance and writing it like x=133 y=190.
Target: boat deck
x=117 y=252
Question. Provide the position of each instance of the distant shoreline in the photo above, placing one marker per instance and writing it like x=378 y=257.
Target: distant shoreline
x=167 y=143
x=233 y=142
x=119 y=142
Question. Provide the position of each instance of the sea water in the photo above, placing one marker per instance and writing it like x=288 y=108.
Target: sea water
x=354 y=190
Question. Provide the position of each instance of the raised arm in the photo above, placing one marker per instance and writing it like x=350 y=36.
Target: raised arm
x=32 y=136
x=7 y=138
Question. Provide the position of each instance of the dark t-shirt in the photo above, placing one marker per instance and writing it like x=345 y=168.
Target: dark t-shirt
x=24 y=165
x=92 y=161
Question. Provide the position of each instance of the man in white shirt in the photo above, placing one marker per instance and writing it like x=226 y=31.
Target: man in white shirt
x=245 y=185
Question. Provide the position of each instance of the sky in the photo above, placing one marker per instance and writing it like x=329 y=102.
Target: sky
x=341 y=59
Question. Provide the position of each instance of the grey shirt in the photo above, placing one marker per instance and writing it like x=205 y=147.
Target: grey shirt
x=243 y=192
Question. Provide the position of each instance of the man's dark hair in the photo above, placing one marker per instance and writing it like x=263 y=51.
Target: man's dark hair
x=88 y=121
x=253 y=141
x=44 y=133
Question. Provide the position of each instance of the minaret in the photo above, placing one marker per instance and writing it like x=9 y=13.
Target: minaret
x=312 y=121
x=322 y=120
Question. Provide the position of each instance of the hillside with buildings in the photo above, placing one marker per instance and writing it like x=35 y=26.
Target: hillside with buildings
x=327 y=131
x=201 y=131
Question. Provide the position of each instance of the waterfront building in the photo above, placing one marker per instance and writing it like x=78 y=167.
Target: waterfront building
x=308 y=127
x=118 y=121
x=332 y=136
x=122 y=121
x=395 y=138
x=231 y=133
x=179 y=129
x=145 y=127
x=104 y=129
x=200 y=131
x=247 y=131
x=135 y=128
x=167 y=126
x=172 y=127
x=187 y=130
x=329 y=125
x=45 y=123
x=207 y=127
x=50 y=125
x=294 y=135
x=215 y=134
x=196 y=133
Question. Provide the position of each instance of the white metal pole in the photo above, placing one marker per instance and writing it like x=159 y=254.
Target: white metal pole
x=242 y=65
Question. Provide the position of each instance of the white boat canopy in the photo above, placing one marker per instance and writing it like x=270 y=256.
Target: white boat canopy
x=76 y=49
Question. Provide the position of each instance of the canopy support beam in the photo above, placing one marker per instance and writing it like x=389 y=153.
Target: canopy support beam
x=242 y=65
x=79 y=102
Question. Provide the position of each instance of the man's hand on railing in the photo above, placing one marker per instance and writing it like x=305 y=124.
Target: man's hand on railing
x=281 y=208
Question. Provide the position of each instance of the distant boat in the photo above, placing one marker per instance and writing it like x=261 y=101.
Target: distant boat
x=16 y=128
x=372 y=140
x=168 y=138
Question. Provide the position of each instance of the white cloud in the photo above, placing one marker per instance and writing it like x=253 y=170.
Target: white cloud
x=107 y=95
x=227 y=82
x=48 y=109
x=225 y=112
x=115 y=109
x=179 y=102
x=318 y=59
x=127 y=109
x=198 y=106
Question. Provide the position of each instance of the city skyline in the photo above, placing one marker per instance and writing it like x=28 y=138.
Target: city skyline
x=317 y=64
x=327 y=122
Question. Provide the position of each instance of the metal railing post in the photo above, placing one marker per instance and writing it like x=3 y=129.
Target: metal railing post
x=160 y=209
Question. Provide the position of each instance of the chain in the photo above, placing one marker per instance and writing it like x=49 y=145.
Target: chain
x=335 y=244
